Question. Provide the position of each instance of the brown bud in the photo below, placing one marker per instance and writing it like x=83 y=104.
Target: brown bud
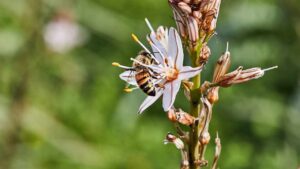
x=170 y=138
x=184 y=118
x=181 y=117
x=185 y=7
x=213 y=95
x=204 y=138
x=192 y=29
x=241 y=76
x=210 y=10
x=187 y=1
x=204 y=54
x=197 y=14
x=227 y=79
x=222 y=65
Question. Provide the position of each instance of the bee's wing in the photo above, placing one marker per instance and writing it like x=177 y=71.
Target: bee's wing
x=129 y=77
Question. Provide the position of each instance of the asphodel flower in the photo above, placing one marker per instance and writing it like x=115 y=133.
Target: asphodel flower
x=168 y=53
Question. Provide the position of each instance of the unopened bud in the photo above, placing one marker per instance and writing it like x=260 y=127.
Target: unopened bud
x=185 y=118
x=204 y=54
x=171 y=115
x=170 y=138
x=213 y=95
x=197 y=14
x=185 y=7
x=193 y=29
x=241 y=76
x=210 y=10
x=222 y=65
x=228 y=79
x=204 y=138
x=186 y=1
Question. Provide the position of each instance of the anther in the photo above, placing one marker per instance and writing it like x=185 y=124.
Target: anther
x=129 y=90
x=134 y=37
x=116 y=64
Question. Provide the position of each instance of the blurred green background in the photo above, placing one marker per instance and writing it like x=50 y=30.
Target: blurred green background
x=62 y=104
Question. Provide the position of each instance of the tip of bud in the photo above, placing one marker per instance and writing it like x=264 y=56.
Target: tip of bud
x=134 y=37
x=270 y=68
x=227 y=46
x=115 y=64
x=127 y=90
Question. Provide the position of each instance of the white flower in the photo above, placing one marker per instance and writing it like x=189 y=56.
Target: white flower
x=167 y=51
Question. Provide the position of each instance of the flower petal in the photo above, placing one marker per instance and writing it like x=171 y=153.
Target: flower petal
x=175 y=48
x=149 y=101
x=159 y=46
x=170 y=92
x=129 y=77
x=187 y=72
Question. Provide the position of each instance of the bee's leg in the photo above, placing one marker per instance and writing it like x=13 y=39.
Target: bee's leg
x=160 y=85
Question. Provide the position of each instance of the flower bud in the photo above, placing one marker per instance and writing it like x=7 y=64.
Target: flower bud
x=228 y=79
x=204 y=138
x=204 y=54
x=181 y=117
x=213 y=95
x=171 y=115
x=192 y=29
x=185 y=7
x=222 y=65
x=241 y=76
x=170 y=138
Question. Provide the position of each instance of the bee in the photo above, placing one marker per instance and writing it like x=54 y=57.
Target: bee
x=143 y=75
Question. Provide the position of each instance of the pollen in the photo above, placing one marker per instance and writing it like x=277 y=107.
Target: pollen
x=115 y=64
x=134 y=37
x=127 y=90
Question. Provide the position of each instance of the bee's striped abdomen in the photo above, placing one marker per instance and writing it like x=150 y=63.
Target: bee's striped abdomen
x=144 y=82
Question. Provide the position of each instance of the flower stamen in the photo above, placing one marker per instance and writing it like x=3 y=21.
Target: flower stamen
x=135 y=38
x=121 y=66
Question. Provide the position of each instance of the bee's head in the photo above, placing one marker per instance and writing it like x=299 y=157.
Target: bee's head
x=144 y=53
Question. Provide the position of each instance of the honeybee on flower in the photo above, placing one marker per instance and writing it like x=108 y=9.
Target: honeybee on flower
x=168 y=72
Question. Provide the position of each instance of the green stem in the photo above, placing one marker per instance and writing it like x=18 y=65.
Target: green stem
x=195 y=109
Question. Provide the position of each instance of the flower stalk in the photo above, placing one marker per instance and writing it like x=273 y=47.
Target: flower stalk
x=161 y=71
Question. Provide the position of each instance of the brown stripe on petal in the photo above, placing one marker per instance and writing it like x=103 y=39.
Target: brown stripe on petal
x=175 y=60
x=193 y=29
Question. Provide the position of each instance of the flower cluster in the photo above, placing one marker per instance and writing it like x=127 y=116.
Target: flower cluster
x=196 y=20
x=168 y=72
x=159 y=72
